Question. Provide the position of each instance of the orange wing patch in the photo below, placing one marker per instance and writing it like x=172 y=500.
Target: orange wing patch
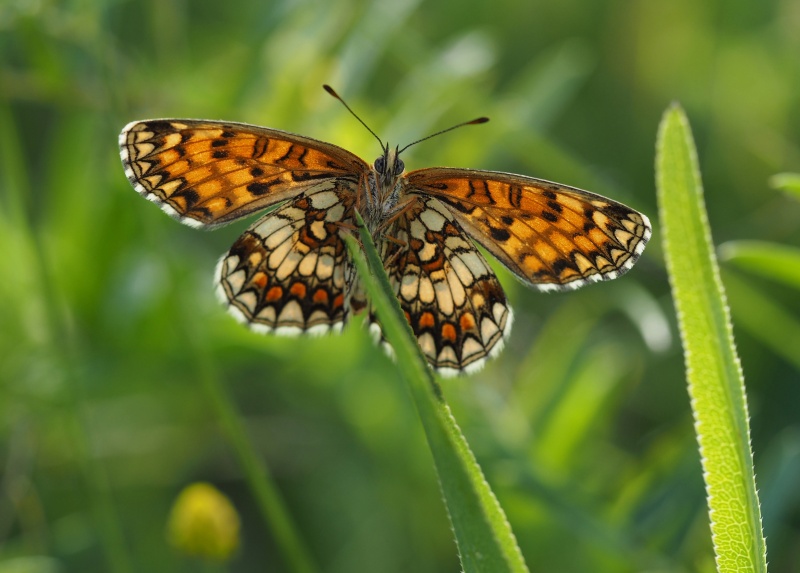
x=206 y=173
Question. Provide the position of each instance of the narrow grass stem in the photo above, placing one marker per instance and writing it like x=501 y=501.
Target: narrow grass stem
x=483 y=535
x=268 y=497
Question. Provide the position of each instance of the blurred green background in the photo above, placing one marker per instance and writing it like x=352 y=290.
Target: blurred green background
x=108 y=323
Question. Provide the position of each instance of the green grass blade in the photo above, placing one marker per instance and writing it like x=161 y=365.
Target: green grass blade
x=789 y=183
x=766 y=320
x=715 y=380
x=255 y=470
x=483 y=535
x=771 y=260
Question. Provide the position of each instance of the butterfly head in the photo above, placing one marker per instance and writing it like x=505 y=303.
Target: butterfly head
x=389 y=167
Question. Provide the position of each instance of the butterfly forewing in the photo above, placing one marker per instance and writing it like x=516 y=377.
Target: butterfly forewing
x=551 y=236
x=449 y=294
x=206 y=173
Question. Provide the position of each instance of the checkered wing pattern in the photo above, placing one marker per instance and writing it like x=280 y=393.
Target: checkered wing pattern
x=551 y=236
x=290 y=272
x=449 y=294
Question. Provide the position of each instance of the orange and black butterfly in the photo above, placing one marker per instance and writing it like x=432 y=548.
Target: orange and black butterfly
x=291 y=273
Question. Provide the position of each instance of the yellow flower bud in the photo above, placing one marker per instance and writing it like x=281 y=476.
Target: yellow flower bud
x=204 y=523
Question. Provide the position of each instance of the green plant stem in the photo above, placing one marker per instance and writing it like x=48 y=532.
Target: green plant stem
x=483 y=535
x=715 y=380
x=268 y=497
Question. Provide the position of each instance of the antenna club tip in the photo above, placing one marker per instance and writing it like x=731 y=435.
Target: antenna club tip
x=330 y=90
x=479 y=120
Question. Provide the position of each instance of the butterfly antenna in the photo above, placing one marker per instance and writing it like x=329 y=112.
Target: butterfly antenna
x=473 y=122
x=331 y=91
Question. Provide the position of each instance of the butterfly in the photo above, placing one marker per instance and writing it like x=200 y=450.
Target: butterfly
x=291 y=273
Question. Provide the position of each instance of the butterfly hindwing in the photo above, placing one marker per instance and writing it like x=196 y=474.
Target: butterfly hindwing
x=449 y=294
x=551 y=236
x=289 y=273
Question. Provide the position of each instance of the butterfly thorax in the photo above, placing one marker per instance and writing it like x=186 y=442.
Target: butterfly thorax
x=384 y=190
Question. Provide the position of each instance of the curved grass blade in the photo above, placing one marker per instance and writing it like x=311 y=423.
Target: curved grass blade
x=774 y=261
x=789 y=183
x=269 y=501
x=766 y=320
x=715 y=380
x=483 y=535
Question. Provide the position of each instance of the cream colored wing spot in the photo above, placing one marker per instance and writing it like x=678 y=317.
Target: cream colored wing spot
x=280 y=277
x=450 y=296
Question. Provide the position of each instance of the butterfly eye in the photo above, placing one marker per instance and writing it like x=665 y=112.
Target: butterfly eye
x=398 y=166
x=380 y=164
